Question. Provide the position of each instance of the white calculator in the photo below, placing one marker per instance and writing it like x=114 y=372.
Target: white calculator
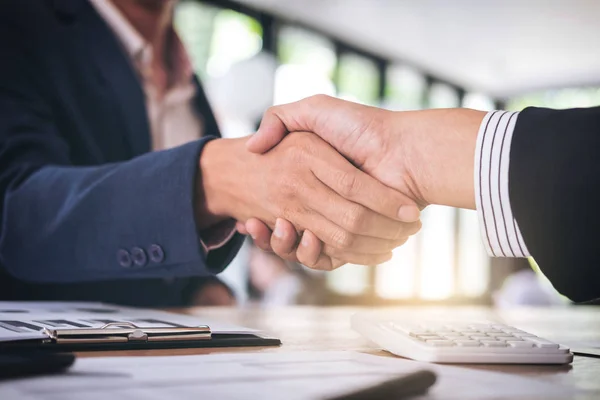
x=459 y=341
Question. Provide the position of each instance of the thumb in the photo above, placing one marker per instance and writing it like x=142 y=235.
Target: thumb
x=278 y=121
x=272 y=130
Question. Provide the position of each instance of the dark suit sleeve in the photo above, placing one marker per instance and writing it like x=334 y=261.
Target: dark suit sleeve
x=554 y=184
x=62 y=223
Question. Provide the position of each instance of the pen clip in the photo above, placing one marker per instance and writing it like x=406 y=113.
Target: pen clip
x=123 y=332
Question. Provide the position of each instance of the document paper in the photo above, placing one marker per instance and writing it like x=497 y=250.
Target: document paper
x=263 y=375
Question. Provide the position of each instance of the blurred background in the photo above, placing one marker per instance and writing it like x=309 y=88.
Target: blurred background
x=401 y=55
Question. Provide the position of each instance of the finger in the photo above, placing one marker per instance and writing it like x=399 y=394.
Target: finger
x=353 y=184
x=325 y=263
x=241 y=228
x=309 y=254
x=344 y=241
x=261 y=234
x=284 y=240
x=356 y=218
x=357 y=257
x=366 y=259
x=309 y=249
x=332 y=235
x=368 y=245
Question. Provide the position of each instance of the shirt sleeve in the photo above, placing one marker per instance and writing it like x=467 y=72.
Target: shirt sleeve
x=217 y=236
x=499 y=228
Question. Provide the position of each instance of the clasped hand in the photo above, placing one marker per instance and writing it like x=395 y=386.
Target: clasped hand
x=408 y=160
x=305 y=187
x=317 y=208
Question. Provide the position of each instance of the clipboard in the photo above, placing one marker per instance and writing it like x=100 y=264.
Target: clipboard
x=177 y=331
x=127 y=336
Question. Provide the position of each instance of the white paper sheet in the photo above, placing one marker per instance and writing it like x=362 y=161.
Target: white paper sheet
x=290 y=376
x=25 y=320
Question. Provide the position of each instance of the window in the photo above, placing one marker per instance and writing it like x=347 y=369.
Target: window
x=562 y=98
x=478 y=101
x=358 y=79
x=194 y=22
x=405 y=88
x=216 y=39
x=307 y=65
x=443 y=96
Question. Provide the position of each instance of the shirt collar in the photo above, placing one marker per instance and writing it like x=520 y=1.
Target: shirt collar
x=139 y=50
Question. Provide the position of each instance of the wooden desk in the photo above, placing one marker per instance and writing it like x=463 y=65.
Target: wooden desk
x=328 y=328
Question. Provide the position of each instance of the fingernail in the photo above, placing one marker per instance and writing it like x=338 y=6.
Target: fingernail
x=278 y=229
x=409 y=213
x=304 y=241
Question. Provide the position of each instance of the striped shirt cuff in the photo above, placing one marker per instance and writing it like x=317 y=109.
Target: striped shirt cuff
x=500 y=230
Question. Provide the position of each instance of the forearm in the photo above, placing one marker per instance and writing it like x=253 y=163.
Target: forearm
x=438 y=148
x=125 y=220
x=461 y=158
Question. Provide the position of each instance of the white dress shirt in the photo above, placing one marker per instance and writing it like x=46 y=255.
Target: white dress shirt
x=499 y=228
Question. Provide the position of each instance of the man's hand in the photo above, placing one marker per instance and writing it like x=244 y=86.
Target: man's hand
x=428 y=155
x=306 y=182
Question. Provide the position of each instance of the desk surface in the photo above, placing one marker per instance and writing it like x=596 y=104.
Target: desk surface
x=328 y=328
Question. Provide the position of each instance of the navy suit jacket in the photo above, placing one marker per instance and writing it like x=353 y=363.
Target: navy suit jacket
x=87 y=211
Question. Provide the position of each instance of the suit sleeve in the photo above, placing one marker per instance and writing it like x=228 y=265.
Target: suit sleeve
x=554 y=184
x=64 y=223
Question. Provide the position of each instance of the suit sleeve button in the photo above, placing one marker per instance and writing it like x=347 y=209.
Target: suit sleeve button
x=139 y=257
x=124 y=258
x=157 y=255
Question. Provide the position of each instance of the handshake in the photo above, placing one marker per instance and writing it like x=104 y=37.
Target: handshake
x=326 y=182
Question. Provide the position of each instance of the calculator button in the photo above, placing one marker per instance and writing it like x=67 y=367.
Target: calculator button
x=467 y=343
x=455 y=337
x=508 y=338
x=440 y=343
x=543 y=343
x=513 y=330
x=521 y=344
x=487 y=343
x=523 y=334
x=418 y=332
x=491 y=331
x=429 y=337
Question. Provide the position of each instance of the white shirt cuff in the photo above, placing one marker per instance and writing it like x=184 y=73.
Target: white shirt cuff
x=499 y=229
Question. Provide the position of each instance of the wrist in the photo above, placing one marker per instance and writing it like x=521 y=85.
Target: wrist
x=439 y=148
x=214 y=183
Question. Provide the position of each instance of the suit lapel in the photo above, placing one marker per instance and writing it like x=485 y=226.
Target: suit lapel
x=98 y=44
x=203 y=108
